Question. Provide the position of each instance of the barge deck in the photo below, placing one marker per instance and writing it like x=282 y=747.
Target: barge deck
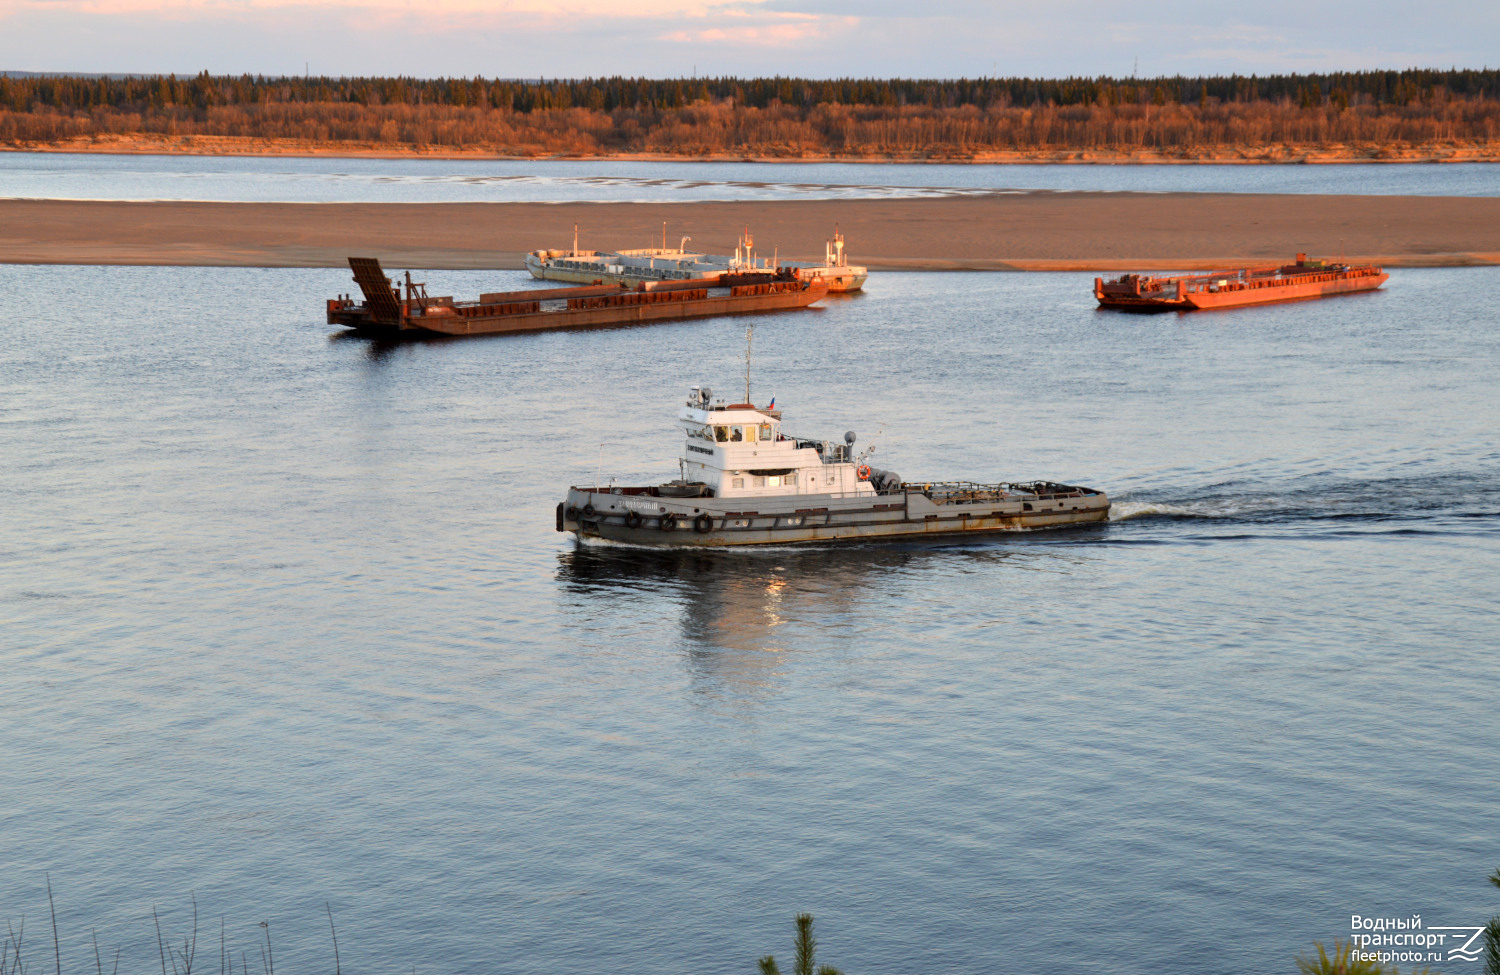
x=1243 y=286
x=386 y=311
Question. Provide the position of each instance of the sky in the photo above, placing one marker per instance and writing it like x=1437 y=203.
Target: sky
x=679 y=38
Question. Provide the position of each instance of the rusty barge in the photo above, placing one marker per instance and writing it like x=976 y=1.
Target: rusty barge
x=1244 y=286
x=387 y=311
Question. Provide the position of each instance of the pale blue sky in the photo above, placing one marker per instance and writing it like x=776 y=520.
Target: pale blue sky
x=667 y=38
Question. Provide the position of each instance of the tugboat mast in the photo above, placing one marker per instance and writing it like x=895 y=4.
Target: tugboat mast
x=749 y=339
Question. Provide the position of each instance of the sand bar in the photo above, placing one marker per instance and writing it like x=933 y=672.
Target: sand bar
x=1028 y=231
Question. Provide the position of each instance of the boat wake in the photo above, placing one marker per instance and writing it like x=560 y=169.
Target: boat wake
x=1131 y=510
x=1465 y=503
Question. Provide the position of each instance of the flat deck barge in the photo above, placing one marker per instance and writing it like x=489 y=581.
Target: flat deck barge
x=387 y=311
x=1243 y=286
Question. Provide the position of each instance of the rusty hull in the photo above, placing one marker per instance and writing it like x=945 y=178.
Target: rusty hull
x=386 y=312
x=1233 y=288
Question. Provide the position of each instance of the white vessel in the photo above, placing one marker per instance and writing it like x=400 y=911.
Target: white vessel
x=632 y=267
x=746 y=482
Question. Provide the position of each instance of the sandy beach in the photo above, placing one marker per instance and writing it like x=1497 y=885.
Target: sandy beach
x=1033 y=231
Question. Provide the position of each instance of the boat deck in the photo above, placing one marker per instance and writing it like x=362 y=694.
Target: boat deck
x=386 y=311
x=645 y=516
x=1231 y=288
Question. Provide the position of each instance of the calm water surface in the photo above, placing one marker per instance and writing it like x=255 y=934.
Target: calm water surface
x=109 y=177
x=284 y=621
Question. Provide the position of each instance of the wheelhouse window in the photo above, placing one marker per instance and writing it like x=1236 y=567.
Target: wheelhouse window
x=765 y=431
x=736 y=434
x=789 y=479
x=721 y=434
x=739 y=482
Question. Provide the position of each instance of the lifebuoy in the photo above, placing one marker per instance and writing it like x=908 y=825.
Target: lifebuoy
x=702 y=523
x=633 y=519
x=863 y=472
x=669 y=523
x=588 y=510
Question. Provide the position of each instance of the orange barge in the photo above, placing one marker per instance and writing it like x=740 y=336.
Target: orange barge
x=387 y=312
x=1230 y=289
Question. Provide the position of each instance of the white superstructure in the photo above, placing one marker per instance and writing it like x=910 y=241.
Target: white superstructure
x=739 y=451
x=835 y=269
x=631 y=267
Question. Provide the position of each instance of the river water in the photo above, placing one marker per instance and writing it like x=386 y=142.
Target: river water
x=33 y=175
x=285 y=624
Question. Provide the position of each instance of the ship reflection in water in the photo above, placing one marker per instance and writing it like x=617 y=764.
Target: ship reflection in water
x=743 y=613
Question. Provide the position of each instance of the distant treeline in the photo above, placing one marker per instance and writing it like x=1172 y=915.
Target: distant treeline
x=138 y=94
x=769 y=115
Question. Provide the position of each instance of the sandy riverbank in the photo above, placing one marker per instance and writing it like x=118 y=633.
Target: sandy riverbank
x=1455 y=150
x=1038 y=231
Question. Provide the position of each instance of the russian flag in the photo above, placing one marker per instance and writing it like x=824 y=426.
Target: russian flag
x=773 y=404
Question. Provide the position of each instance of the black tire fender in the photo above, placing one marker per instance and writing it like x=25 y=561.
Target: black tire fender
x=572 y=513
x=633 y=519
x=703 y=523
x=588 y=510
x=668 y=523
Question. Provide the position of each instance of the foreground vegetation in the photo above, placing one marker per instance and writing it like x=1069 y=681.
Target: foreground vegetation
x=1381 y=111
x=805 y=950
x=181 y=951
x=1348 y=958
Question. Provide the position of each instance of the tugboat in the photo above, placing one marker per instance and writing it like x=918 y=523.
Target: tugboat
x=745 y=482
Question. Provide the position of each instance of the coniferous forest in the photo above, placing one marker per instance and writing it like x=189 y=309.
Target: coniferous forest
x=1373 y=112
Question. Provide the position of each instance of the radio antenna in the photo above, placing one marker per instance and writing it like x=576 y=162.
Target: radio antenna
x=749 y=340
